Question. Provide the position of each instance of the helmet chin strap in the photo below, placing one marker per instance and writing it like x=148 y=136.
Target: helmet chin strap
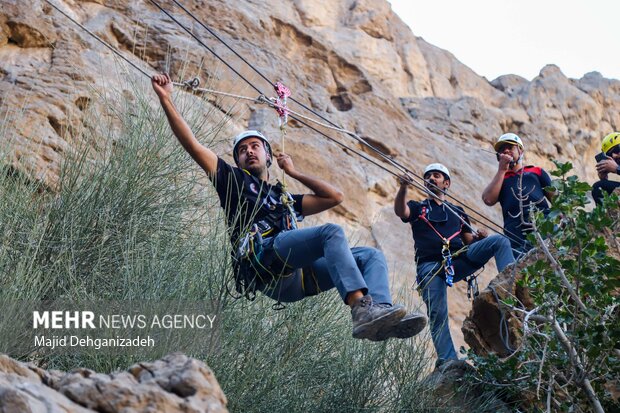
x=521 y=157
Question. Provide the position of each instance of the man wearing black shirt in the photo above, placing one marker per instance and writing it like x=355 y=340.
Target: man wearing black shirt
x=254 y=206
x=439 y=227
x=517 y=188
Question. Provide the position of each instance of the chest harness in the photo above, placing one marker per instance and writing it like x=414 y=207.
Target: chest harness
x=274 y=214
x=447 y=256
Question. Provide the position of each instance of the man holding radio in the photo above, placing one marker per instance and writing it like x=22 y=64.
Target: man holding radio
x=518 y=188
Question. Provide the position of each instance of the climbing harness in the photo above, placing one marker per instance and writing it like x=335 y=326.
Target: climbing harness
x=445 y=251
x=447 y=257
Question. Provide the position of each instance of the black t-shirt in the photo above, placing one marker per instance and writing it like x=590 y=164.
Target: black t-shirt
x=534 y=181
x=248 y=200
x=427 y=243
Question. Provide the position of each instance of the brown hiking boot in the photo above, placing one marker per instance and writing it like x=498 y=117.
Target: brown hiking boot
x=408 y=326
x=369 y=318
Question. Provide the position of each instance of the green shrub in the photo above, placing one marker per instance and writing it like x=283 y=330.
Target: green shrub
x=569 y=355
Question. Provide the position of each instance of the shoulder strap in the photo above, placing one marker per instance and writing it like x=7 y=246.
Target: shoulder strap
x=445 y=240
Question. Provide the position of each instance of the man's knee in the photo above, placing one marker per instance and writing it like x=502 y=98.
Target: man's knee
x=597 y=192
x=500 y=241
x=368 y=255
x=602 y=186
x=597 y=186
x=331 y=230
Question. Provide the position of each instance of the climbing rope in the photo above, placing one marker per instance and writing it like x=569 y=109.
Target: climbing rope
x=193 y=85
x=281 y=108
x=333 y=126
x=504 y=331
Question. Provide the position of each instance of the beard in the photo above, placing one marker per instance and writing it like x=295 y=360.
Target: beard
x=432 y=186
x=256 y=169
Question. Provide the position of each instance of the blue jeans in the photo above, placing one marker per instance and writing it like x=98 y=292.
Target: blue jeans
x=434 y=291
x=328 y=262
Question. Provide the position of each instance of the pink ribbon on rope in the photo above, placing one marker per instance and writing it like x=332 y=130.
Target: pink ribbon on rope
x=283 y=92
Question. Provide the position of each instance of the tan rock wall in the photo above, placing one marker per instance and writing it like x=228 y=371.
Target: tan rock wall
x=354 y=61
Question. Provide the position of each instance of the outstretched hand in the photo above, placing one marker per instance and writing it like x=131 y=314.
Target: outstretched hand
x=162 y=85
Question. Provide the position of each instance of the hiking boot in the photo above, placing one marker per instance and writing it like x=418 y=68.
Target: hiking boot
x=369 y=318
x=408 y=326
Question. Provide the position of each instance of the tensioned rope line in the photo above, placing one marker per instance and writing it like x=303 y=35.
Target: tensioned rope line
x=299 y=116
x=251 y=66
x=333 y=126
x=424 y=188
x=193 y=85
x=214 y=34
x=408 y=179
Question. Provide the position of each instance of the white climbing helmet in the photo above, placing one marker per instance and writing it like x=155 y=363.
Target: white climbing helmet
x=251 y=134
x=437 y=167
x=510 y=138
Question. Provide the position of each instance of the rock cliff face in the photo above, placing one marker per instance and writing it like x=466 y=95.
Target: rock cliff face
x=175 y=383
x=354 y=61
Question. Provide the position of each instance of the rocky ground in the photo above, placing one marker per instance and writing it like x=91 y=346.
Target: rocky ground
x=175 y=383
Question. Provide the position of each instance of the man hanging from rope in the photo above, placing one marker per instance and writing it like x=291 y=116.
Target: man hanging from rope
x=446 y=251
x=517 y=189
x=270 y=251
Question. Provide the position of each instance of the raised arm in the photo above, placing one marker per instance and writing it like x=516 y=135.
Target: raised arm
x=207 y=159
x=324 y=195
x=490 y=195
x=400 y=202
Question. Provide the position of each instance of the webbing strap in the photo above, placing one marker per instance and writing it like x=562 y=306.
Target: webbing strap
x=445 y=240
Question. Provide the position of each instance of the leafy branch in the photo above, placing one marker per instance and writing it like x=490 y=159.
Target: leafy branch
x=568 y=355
